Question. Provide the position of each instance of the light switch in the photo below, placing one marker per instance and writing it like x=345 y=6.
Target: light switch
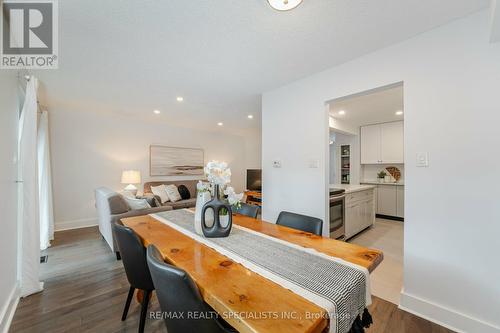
x=422 y=160
x=277 y=164
x=314 y=164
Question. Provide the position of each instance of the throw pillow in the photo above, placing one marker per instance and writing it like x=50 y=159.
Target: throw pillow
x=173 y=193
x=151 y=199
x=184 y=192
x=117 y=204
x=137 y=203
x=161 y=192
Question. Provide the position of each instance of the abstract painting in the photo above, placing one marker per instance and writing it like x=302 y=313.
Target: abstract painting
x=175 y=161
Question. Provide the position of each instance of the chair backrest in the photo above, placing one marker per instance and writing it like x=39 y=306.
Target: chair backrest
x=133 y=256
x=178 y=295
x=248 y=210
x=301 y=222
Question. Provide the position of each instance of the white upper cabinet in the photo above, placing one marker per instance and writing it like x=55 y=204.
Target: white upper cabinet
x=382 y=143
x=370 y=144
x=392 y=142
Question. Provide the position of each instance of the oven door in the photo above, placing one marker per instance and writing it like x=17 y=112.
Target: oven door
x=337 y=217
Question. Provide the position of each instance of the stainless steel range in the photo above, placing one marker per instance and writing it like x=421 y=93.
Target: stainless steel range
x=337 y=213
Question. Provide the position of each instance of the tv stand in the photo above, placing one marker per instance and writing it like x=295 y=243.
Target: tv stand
x=254 y=198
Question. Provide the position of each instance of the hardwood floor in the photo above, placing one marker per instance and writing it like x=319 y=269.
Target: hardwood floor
x=86 y=288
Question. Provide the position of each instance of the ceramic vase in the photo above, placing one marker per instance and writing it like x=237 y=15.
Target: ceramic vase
x=219 y=228
x=201 y=199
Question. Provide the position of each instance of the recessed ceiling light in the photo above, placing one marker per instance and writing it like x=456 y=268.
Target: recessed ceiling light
x=156 y=111
x=283 y=5
x=399 y=113
x=341 y=112
x=180 y=98
x=220 y=124
x=250 y=116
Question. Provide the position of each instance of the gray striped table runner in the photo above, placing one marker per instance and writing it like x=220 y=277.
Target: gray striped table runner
x=339 y=287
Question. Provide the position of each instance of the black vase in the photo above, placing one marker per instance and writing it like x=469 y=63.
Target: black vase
x=216 y=204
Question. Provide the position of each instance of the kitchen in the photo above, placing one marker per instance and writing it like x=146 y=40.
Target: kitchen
x=367 y=178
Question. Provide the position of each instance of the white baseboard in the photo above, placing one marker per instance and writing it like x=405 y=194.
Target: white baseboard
x=75 y=224
x=448 y=318
x=9 y=308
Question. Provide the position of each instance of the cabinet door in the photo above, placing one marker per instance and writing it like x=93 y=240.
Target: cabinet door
x=370 y=213
x=386 y=200
x=370 y=144
x=351 y=219
x=392 y=143
x=401 y=201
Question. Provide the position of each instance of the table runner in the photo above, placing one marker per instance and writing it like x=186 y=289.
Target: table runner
x=339 y=287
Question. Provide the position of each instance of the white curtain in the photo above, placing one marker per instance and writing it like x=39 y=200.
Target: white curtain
x=29 y=226
x=46 y=211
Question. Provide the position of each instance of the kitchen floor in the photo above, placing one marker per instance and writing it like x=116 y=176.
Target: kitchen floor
x=387 y=236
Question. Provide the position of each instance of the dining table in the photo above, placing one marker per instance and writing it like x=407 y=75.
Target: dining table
x=249 y=301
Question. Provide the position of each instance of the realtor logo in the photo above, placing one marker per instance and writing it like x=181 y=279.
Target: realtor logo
x=29 y=34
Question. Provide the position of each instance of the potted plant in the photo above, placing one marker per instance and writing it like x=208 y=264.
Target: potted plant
x=381 y=176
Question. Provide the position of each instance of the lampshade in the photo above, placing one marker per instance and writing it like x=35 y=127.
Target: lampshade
x=284 y=4
x=131 y=177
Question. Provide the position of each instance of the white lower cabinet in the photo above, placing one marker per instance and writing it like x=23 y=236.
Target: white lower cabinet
x=390 y=200
x=400 y=198
x=387 y=200
x=360 y=212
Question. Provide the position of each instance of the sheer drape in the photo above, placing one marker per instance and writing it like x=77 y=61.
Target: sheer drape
x=29 y=210
x=46 y=212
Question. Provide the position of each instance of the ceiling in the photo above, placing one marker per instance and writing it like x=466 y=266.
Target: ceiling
x=131 y=57
x=371 y=108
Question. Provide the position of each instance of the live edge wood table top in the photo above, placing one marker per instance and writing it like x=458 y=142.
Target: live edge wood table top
x=230 y=288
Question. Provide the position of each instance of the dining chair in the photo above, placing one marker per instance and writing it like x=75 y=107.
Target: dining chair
x=248 y=210
x=133 y=256
x=301 y=222
x=177 y=293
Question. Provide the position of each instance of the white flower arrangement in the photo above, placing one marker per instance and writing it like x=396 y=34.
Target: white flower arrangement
x=218 y=173
x=202 y=186
x=233 y=198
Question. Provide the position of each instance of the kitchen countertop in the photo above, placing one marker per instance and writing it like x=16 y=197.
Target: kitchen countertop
x=352 y=188
x=375 y=182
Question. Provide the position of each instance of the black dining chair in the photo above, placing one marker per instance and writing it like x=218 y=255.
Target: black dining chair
x=178 y=294
x=133 y=256
x=301 y=222
x=248 y=210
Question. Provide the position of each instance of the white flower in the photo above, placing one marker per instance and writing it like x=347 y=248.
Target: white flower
x=202 y=187
x=218 y=173
x=232 y=196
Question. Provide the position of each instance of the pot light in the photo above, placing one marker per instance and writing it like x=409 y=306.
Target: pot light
x=341 y=112
x=220 y=124
x=156 y=111
x=399 y=113
x=283 y=5
x=250 y=116
x=180 y=98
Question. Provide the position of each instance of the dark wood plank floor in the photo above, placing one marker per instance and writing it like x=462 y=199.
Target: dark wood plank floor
x=86 y=288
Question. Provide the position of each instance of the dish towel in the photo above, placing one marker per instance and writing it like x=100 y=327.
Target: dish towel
x=339 y=287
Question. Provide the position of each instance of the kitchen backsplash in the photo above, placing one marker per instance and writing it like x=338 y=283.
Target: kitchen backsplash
x=369 y=171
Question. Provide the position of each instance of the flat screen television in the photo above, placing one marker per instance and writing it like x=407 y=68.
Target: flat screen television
x=254 y=179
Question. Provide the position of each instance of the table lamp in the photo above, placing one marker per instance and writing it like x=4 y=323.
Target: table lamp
x=131 y=177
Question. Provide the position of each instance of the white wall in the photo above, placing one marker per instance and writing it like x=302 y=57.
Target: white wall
x=91 y=149
x=452 y=103
x=8 y=195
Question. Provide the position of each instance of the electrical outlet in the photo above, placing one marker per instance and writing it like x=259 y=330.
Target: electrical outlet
x=277 y=164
